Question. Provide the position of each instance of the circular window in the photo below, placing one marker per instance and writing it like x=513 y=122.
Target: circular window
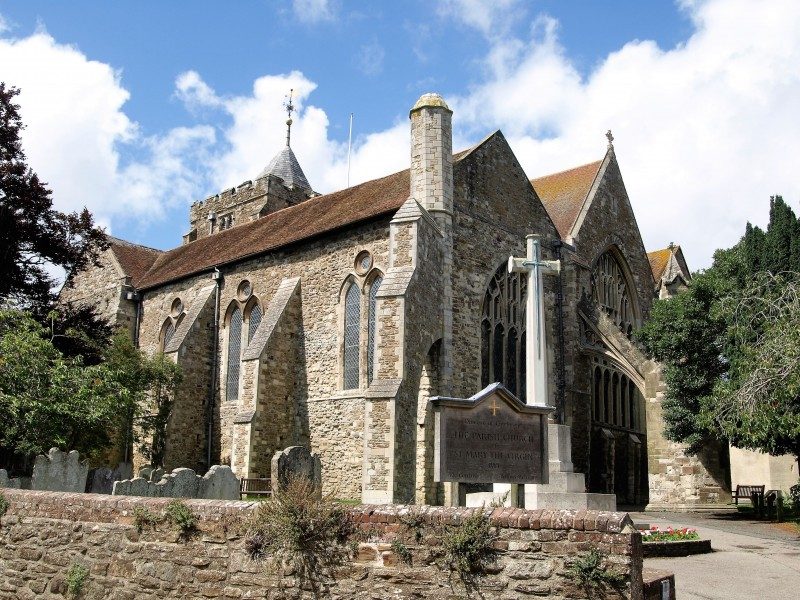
x=244 y=290
x=177 y=308
x=363 y=262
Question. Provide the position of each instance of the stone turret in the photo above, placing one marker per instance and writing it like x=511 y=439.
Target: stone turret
x=432 y=154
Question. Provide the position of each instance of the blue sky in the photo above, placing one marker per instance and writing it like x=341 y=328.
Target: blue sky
x=136 y=109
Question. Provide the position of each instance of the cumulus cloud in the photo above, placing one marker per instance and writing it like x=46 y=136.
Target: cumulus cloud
x=702 y=130
x=313 y=11
x=78 y=137
x=491 y=17
x=370 y=58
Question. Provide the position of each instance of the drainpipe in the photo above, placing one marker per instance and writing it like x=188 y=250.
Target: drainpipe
x=217 y=277
x=561 y=382
x=136 y=297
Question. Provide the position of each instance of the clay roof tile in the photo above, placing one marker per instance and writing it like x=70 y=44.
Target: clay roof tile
x=563 y=194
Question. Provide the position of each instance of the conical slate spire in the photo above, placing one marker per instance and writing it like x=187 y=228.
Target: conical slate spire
x=285 y=166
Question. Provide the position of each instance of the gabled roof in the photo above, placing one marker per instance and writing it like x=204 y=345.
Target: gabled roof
x=658 y=261
x=667 y=264
x=564 y=193
x=316 y=216
x=285 y=166
x=134 y=259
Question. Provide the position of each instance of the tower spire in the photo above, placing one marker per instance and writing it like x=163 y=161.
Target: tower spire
x=289 y=110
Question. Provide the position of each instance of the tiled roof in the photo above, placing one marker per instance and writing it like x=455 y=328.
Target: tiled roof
x=563 y=194
x=313 y=217
x=658 y=262
x=134 y=259
x=285 y=166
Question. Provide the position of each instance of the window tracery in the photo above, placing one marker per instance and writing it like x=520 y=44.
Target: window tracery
x=503 y=331
x=615 y=398
x=234 y=354
x=612 y=292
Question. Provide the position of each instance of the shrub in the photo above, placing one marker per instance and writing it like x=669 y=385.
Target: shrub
x=589 y=572
x=301 y=531
x=402 y=551
x=469 y=547
x=4 y=504
x=414 y=522
x=181 y=516
x=76 y=577
x=794 y=494
x=142 y=518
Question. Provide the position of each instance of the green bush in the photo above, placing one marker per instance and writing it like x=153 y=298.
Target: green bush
x=402 y=551
x=76 y=577
x=469 y=547
x=181 y=516
x=142 y=518
x=589 y=572
x=301 y=531
x=794 y=494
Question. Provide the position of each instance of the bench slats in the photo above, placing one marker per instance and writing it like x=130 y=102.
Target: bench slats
x=254 y=486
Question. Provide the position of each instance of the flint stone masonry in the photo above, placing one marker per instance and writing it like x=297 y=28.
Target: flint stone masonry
x=219 y=483
x=43 y=533
x=60 y=472
x=295 y=461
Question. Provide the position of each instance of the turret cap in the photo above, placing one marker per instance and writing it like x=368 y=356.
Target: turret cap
x=430 y=100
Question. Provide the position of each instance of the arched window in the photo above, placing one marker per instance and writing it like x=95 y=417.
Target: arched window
x=234 y=354
x=371 y=341
x=503 y=331
x=253 y=321
x=352 y=338
x=169 y=331
x=611 y=290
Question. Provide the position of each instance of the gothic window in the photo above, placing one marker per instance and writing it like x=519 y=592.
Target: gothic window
x=234 y=354
x=371 y=341
x=168 y=331
x=614 y=398
x=503 y=332
x=254 y=320
x=171 y=323
x=352 y=338
x=611 y=290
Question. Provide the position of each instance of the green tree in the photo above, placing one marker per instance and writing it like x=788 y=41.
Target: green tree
x=32 y=233
x=731 y=356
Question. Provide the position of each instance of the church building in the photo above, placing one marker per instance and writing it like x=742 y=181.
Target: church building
x=330 y=320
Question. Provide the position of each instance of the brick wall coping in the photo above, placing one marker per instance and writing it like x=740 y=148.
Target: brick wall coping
x=118 y=509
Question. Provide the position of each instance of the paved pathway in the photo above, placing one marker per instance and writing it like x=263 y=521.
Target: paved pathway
x=751 y=560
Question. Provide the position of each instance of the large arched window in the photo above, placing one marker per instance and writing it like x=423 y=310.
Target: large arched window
x=612 y=292
x=352 y=337
x=503 y=332
x=371 y=341
x=234 y=354
x=615 y=398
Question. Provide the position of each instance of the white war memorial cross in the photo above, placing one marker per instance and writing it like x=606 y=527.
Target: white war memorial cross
x=566 y=489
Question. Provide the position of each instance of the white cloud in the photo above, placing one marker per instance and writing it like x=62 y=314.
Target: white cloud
x=4 y=24
x=313 y=11
x=77 y=134
x=194 y=92
x=370 y=58
x=703 y=131
x=491 y=17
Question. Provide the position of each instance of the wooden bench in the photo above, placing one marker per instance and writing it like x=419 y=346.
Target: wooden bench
x=255 y=487
x=745 y=492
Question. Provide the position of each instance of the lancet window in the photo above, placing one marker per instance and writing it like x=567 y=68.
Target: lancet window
x=371 y=339
x=503 y=331
x=243 y=318
x=612 y=292
x=352 y=336
x=171 y=323
x=234 y=354
x=615 y=398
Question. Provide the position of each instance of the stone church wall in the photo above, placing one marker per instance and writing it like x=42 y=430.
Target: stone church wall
x=495 y=208
x=317 y=404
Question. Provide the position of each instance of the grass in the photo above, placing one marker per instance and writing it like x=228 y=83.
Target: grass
x=76 y=577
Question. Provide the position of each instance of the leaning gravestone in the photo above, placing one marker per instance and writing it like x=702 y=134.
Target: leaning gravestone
x=220 y=483
x=60 y=472
x=7 y=482
x=296 y=461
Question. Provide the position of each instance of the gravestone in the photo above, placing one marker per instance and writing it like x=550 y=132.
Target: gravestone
x=101 y=480
x=296 y=461
x=490 y=437
x=220 y=483
x=60 y=472
x=7 y=482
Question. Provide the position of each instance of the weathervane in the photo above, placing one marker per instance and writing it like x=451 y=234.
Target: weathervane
x=610 y=140
x=289 y=110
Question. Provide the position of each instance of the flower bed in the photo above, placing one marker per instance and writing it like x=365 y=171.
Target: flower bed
x=673 y=542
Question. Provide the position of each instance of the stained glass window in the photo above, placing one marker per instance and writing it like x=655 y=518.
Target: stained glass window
x=352 y=316
x=371 y=350
x=234 y=354
x=255 y=320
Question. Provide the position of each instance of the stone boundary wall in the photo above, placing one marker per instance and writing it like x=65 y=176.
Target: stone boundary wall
x=44 y=533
